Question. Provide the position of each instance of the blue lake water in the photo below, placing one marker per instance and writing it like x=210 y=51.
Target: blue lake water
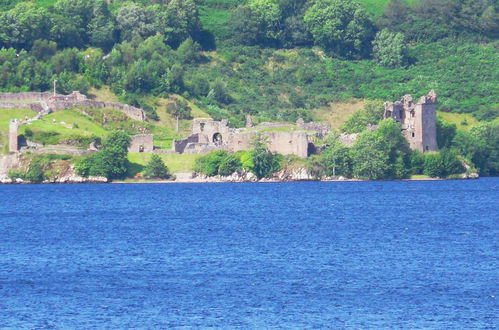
x=286 y=255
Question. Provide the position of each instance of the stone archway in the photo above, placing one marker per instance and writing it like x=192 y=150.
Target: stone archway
x=217 y=138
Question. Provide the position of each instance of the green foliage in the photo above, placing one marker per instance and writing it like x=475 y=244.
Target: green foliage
x=445 y=133
x=229 y=165
x=210 y=163
x=382 y=154
x=35 y=173
x=219 y=93
x=371 y=114
x=335 y=159
x=156 y=168
x=179 y=109
x=368 y=157
x=111 y=162
x=417 y=160
x=264 y=162
x=480 y=146
x=189 y=52
x=340 y=26
x=390 y=49
x=433 y=166
x=442 y=164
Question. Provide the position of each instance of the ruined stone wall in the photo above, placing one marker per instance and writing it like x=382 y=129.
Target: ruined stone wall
x=288 y=143
x=418 y=121
x=13 y=135
x=130 y=111
x=142 y=143
x=26 y=96
x=240 y=141
x=320 y=129
x=207 y=129
x=60 y=150
x=32 y=106
x=34 y=100
x=180 y=145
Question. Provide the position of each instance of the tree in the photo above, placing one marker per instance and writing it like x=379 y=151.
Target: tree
x=390 y=49
x=134 y=21
x=179 y=109
x=368 y=157
x=43 y=49
x=189 y=52
x=445 y=133
x=111 y=161
x=22 y=25
x=200 y=86
x=381 y=154
x=396 y=12
x=340 y=26
x=433 y=165
x=175 y=79
x=229 y=165
x=219 y=93
x=264 y=162
x=258 y=22
x=156 y=168
x=178 y=21
x=336 y=158
x=102 y=28
x=371 y=114
x=210 y=164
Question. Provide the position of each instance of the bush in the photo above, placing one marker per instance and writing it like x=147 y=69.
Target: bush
x=229 y=165
x=433 y=166
x=35 y=173
x=111 y=162
x=156 y=168
x=210 y=163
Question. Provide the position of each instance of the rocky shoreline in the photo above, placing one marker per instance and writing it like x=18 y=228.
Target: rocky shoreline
x=285 y=175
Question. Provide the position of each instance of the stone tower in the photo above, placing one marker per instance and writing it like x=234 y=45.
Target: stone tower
x=418 y=120
x=13 y=135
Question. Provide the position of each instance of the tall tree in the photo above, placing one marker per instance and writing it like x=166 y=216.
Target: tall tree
x=340 y=26
x=390 y=49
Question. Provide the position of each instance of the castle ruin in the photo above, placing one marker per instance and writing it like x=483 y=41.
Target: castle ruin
x=418 y=120
x=210 y=135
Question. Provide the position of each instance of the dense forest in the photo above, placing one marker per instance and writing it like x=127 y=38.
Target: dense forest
x=272 y=59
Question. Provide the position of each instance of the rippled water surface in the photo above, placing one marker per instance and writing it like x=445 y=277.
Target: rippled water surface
x=291 y=255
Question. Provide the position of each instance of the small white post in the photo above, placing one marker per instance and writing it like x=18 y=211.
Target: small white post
x=55 y=81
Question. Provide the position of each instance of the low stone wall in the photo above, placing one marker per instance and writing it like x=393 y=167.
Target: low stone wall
x=27 y=96
x=59 y=150
x=33 y=100
x=32 y=106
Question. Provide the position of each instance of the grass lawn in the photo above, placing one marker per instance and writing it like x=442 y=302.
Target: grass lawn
x=103 y=94
x=175 y=162
x=7 y=114
x=63 y=122
x=338 y=113
x=463 y=121
x=420 y=177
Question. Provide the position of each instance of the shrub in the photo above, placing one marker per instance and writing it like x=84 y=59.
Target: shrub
x=156 y=168
x=229 y=165
x=433 y=166
x=35 y=173
x=210 y=163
